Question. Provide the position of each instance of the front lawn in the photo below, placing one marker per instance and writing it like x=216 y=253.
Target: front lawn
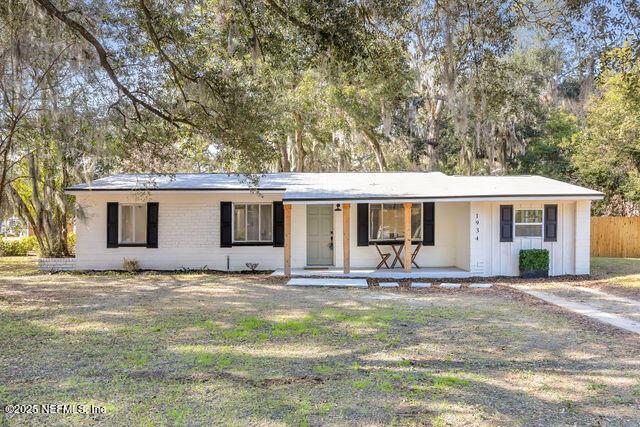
x=238 y=349
x=622 y=271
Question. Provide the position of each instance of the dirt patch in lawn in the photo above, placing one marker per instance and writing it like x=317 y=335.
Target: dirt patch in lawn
x=246 y=349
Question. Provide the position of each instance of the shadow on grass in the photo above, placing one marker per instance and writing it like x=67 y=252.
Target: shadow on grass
x=197 y=349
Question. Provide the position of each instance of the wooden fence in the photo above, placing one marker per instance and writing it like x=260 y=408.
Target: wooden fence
x=615 y=236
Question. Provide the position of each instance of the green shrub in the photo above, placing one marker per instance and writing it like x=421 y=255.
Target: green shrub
x=534 y=260
x=18 y=247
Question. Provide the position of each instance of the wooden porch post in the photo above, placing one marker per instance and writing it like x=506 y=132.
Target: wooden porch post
x=287 y=240
x=346 y=233
x=407 y=237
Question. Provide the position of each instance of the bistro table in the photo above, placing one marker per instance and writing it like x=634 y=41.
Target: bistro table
x=397 y=248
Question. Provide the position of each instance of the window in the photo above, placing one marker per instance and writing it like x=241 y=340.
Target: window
x=386 y=221
x=253 y=222
x=528 y=223
x=133 y=224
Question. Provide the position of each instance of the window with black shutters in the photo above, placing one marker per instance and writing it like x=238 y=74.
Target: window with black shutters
x=133 y=224
x=550 y=223
x=506 y=223
x=528 y=223
x=252 y=222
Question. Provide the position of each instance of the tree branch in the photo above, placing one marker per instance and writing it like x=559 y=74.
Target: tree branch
x=253 y=27
x=79 y=29
x=295 y=21
x=155 y=39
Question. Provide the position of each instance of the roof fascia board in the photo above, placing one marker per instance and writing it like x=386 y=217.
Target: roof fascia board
x=174 y=191
x=441 y=199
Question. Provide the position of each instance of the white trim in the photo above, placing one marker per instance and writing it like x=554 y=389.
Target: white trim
x=171 y=192
x=335 y=200
x=442 y=199
x=233 y=222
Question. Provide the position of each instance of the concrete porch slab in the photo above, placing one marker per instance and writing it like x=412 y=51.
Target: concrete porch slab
x=342 y=283
x=396 y=273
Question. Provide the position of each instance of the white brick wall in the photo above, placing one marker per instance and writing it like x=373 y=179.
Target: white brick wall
x=199 y=225
x=188 y=234
x=56 y=264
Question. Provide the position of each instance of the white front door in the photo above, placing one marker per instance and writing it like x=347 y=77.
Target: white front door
x=319 y=234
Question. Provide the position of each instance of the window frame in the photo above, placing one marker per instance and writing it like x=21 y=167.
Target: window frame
x=121 y=228
x=515 y=223
x=247 y=242
x=384 y=241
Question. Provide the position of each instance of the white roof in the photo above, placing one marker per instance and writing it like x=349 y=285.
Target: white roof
x=297 y=186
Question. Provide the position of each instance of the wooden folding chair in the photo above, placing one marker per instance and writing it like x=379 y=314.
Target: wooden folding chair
x=384 y=256
x=398 y=253
x=415 y=254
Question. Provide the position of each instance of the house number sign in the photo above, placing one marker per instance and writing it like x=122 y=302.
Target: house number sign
x=476 y=227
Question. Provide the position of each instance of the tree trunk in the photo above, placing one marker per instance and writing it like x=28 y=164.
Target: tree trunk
x=375 y=145
x=339 y=141
x=300 y=153
x=25 y=215
x=433 y=132
x=47 y=216
x=284 y=157
x=40 y=218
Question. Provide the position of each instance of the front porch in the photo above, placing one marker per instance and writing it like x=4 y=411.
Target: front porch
x=395 y=273
x=417 y=240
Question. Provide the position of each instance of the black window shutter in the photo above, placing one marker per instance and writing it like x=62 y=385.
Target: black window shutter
x=550 y=223
x=363 y=224
x=278 y=224
x=506 y=223
x=226 y=215
x=112 y=225
x=429 y=223
x=152 y=225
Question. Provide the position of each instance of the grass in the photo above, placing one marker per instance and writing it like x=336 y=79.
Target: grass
x=441 y=382
x=195 y=348
x=18 y=265
x=619 y=271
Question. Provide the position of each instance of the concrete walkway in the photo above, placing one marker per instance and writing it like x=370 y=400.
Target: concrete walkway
x=588 y=310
